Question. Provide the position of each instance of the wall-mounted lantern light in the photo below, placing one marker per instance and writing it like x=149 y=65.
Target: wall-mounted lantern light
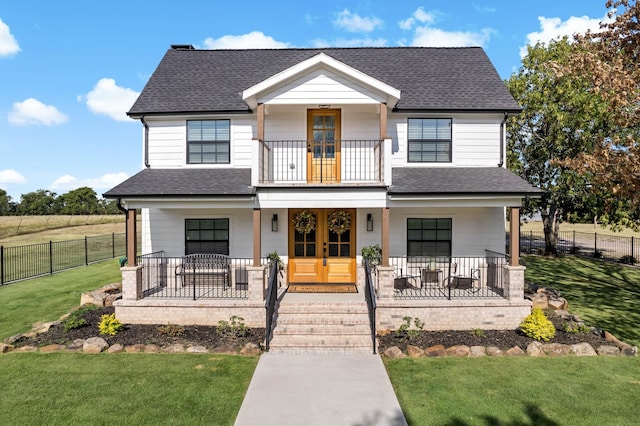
x=274 y=223
x=369 y=222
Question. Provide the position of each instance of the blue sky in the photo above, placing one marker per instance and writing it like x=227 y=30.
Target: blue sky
x=69 y=70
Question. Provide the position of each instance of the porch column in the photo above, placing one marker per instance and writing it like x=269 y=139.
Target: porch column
x=132 y=240
x=514 y=240
x=257 y=243
x=383 y=121
x=260 y=119
x=385 y=237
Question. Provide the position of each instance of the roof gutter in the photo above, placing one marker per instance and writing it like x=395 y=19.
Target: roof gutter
x=146 y=141
x=502 y=141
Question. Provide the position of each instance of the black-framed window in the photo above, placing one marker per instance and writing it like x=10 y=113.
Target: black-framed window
x=429 y=237
x=206 y=236
x=429 y=140
x=208 y=141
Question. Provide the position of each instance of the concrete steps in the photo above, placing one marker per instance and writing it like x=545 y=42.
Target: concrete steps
x=322 y=327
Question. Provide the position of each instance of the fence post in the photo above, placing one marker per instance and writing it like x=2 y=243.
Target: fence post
x=86 y=251
x=113 y=245
x=595 y=244
x=50 y=257
x=530 y=238
x=633 y=259
x=1 y=265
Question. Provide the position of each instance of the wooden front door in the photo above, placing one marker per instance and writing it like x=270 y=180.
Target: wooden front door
x=322 y=255
x=323 y=145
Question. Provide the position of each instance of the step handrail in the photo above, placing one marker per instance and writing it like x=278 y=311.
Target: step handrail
x=270 y=301
x=370 y=297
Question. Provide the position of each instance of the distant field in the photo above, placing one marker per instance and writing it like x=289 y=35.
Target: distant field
x=23 y=230
x=579 y=227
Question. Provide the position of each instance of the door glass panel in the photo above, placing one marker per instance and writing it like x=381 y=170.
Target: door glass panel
x=317 y=122
x=333 y=250
x=345 y=250
x=330 y=122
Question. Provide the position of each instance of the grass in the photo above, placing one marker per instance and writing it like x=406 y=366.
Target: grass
x=589 y=228
x=122 y=389
x=517 y=391
x=603 y=294
x=47 y=298
x=21 y=230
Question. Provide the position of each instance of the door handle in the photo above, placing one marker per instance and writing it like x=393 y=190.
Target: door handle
x=324 y=261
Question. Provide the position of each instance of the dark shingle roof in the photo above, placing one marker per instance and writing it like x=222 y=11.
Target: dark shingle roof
x=452 y=79
x=185 y=182
x=459 y=180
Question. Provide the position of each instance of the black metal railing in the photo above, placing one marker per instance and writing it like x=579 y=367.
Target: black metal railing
x=370 y=297
x=270 y=301
x=298 y=161
x=34 y=260
x=457 y=277
x=162 y=278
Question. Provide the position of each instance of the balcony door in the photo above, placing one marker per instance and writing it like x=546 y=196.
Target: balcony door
x=322 y=256
x=323 y=145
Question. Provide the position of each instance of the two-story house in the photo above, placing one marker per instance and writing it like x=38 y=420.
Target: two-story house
x=315 y=154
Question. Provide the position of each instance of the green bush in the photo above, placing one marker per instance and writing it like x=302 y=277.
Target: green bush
x=405 y=330
x=172 y=330
x=74 y=320
x=575 y=328
x=538 y=326
x=110 y=325
x=234 y=328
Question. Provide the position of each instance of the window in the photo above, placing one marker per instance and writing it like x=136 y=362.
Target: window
x=207 y=236
x=208 y=141
x=429 y=140
x=429 y=237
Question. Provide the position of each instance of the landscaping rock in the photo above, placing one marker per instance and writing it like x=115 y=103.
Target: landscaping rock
x=151 y=349
x=176 y=348
x=535 y=349
x=26 y=349
x=608 y=350
x=629 y=350
x=12 y=339
x=515 y=351
x=415 y=351
x=4 y=348
x=394 y=352
x=104 y=296
x=539 y=300
x=42 y=327
x=583 y=349
x=52 y=348
x=477 y=351
x=114 y=349
x=556 y=349
x=132 y=349
x=494 y=351
x=458 y=351
x=435 y=351
x=558 y=304
x=94 y=345
x=197 y=349
x=250 y=349
x=224 y=350
x=76 y=345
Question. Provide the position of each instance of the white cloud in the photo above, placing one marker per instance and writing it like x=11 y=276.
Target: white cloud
x=33 y=112
x=252 y=40
x=8 y=44
x=109 y=99
x=434 y=37
x=555 y=28
x=354 y=42
x=355 y=23
x=419 y=16
x=68 y=183
x=11 y=176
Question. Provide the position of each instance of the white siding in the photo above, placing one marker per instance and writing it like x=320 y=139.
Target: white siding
x=323 y=87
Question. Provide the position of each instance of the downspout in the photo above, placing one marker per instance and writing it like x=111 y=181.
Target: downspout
x=146 y=141
x=502 y=141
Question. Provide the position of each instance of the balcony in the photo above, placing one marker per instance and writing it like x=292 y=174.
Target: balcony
x=344 y=162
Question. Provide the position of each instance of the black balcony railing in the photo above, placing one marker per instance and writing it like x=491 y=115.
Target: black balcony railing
x=301 y=161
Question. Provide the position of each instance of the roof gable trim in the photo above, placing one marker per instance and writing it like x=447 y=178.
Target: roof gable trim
x=320 y=60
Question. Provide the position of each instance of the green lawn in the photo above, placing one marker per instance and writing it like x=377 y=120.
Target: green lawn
x=517 y=391
x=122 y=389
x=606 y=295
x=47 y=298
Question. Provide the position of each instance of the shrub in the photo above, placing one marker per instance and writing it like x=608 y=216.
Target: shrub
x=74 y=320
x=478 y=332
x=110 y=325
x=172 y=330
x=538 y=326
x=405 y=329
x=575 y=328
x=234 y=328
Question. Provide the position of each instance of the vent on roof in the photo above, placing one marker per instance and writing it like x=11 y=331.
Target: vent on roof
x=182 y=47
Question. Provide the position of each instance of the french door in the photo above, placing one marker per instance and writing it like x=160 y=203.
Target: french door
x=323 y=145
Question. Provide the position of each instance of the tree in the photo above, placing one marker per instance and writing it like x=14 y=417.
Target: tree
x=40 y=202
x=79 y=201
x=560 y=120
x=609 y=60
x=7 y=207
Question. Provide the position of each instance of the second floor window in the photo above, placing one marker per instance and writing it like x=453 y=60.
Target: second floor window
x=208 y=141
x=429 y=140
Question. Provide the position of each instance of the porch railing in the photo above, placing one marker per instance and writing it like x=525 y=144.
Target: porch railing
x=370 y=297
x=160 y=280
x=287 y=162
x=270 y=302
x=456 y=277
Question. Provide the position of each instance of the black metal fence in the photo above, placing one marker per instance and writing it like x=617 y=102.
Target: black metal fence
x=22 y=262
x=600 y=246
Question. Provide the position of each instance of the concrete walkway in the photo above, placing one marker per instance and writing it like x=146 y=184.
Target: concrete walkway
x=320 y=389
